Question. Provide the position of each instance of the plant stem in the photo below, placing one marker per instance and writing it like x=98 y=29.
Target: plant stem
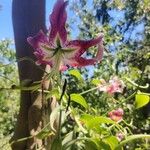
x=22 y=139
x=131 y=138
x=89 y=90
x=125 y=100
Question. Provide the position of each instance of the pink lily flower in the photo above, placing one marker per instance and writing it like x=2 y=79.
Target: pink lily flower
x=114 y=85
x=56 y=50
x=116 y=115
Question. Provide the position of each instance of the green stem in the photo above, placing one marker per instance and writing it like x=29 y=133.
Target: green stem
x=59 y=125
x=144 y=93
x=89 y=90
x=131 y=138
x=137 y=85
x=129 y=125
x=123 y=101
x=22 y=139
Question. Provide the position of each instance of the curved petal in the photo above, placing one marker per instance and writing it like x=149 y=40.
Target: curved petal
x=58 y=19
x=81 y=62
x=85 y=62
x=82 y=45
x=36 y=40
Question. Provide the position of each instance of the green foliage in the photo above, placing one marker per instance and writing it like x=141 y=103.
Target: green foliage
x=141 y=100
x=79 y=99
x=9 y=98
x=76 y=73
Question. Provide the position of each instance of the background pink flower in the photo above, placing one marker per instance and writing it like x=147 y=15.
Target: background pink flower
x=116 y=115
x=114 y=85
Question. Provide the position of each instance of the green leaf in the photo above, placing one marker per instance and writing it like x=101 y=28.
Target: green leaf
x=57 y=144
x=112 y=141
x=67 y=138
x=54 y=92
x=95 y=81
x=93 y=122
x=76 y=73
x=90 y=145
x=141 y=100
x=79 y=99
x=101 y=145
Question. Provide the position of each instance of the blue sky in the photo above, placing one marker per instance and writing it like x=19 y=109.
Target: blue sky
x=5 y=20
x=6 y=30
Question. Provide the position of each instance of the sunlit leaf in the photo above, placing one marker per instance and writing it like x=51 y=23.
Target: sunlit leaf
x=141 y=100
x=112 y=141
x=94 y=122
x=76 y=73
x=79 y=99
x=95 y=81
x=101 y=145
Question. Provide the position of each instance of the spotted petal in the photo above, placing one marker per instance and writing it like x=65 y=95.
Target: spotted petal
x=58 y=19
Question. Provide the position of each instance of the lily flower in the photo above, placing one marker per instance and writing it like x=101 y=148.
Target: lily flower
x=56 y=50
x=116 y=115
x=115 y=85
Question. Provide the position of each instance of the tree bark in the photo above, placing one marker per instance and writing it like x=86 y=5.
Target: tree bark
x=28 y=18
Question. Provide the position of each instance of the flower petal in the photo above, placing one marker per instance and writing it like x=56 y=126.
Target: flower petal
x=58 y=19
x=40 y=55
x=116 y=115
x=81 y=62
x=39 y=38
x=85 y=62
x=84 y=45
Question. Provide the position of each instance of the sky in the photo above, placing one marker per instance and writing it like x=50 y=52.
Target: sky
x=6 y=29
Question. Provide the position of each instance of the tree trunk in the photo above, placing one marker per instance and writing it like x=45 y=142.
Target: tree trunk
x=28 y=19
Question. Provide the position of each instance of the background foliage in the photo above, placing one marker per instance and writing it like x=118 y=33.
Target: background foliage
x=9 y=98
